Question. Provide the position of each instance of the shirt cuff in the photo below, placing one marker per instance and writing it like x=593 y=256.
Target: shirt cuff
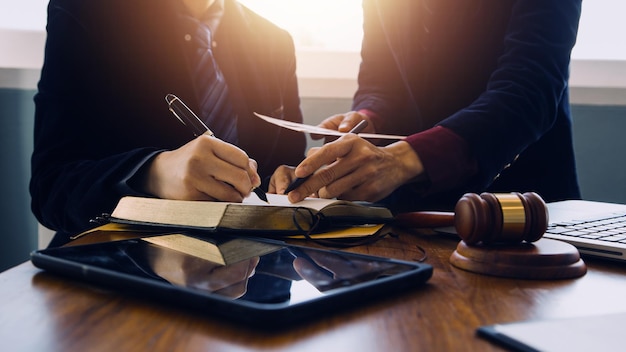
x=446 y=157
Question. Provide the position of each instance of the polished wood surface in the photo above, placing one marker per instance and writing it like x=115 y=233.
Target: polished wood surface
x=43 y=312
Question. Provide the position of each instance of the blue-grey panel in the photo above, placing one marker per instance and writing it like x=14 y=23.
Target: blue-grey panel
x=600 y=143
x=19 y=235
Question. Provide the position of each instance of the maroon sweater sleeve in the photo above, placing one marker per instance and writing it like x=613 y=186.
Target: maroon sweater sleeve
x=447 y=159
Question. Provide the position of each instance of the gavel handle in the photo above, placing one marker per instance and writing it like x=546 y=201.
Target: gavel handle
x=424 y=219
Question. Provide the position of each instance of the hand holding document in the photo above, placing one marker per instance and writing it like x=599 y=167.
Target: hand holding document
x=300 y=127
x=298 y=181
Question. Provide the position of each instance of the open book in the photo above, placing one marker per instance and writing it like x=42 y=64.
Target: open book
x=279 y=217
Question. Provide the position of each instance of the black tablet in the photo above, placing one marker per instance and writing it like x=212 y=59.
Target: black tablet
x=259 y=282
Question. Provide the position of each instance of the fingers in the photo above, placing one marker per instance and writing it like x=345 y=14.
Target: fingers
x=320 y=156
x=351 y=168
x=233 y=279
x=331 y=123
x=311 y=273
x=255 y=179
x=281 y=179
x=330 y=154
x=203 y=169
x=345 y=122
x=352 y=119
x=227 y=164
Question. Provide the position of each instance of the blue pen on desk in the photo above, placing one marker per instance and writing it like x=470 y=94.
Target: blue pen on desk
x=300 y=180
x=184 y=114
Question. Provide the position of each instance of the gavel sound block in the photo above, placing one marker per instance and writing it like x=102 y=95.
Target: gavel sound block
x=501 y=236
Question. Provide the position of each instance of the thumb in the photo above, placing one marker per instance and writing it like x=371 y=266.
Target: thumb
x=255 y=179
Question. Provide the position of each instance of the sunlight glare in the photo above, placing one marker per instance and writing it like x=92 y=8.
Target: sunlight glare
x=321 y=24
x=336 y=25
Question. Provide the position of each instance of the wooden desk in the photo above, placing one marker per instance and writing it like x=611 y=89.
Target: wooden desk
x=40 y=311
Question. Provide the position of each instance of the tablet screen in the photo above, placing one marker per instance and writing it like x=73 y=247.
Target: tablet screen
x=261 y=274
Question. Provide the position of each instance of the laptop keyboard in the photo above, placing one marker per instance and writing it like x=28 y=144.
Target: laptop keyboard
x=610 y=229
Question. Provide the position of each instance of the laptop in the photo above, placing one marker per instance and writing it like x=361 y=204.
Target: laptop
x=596 y=228
x=256 y=282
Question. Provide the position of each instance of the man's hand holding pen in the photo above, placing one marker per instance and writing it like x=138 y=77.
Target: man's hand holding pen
x=343 y=168
x=205 y=168
x=352 y=168
x=196 y=126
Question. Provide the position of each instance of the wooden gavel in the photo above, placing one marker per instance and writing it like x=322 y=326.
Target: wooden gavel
x=488 y=218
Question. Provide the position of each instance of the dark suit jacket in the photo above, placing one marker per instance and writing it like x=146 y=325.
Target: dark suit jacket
x=101 y=111
x=495 y=72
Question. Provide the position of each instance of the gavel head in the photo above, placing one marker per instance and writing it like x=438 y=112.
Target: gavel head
x=500 y=217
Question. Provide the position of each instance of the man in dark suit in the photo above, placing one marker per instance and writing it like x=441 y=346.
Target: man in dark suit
x=481 y=87
x=103 y=129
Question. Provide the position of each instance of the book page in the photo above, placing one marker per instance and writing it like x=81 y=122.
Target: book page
x=282 y=201
x=157 y=211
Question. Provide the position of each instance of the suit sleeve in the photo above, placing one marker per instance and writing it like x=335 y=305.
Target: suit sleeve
x=523 y=95
x=382 y=88
x=518 y=106
x=73 y=178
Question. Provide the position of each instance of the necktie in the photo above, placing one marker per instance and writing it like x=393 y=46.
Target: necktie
x=215 y=107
